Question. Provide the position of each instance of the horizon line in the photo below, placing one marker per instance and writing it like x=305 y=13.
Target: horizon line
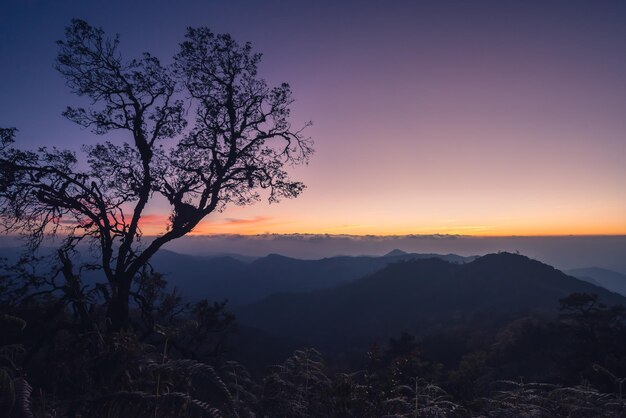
x=434 y=235
x=358 y=236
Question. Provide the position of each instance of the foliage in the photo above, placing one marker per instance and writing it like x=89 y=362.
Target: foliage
x=76 y=371
x=518 y=399
x=295 y=388
x=423 y=399
x=235 y=140
x=242 y=387
x=15 y=390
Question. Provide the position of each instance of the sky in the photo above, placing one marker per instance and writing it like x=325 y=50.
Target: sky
x=489 y=118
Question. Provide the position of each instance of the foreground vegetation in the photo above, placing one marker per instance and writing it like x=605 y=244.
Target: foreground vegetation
x=177 y=360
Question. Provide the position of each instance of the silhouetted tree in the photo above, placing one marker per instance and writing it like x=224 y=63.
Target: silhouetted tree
x=204 y=132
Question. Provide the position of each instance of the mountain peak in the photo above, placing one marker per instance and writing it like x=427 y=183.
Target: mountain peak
x=395 y=253
x=276 y=256
x=418 y=296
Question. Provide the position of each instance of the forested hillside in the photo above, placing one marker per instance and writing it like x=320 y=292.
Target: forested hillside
x=502 y=335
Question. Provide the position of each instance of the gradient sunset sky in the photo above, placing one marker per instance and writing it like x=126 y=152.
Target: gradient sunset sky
x=451 y=117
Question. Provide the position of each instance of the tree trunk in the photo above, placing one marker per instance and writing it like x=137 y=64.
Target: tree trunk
x=118 y=311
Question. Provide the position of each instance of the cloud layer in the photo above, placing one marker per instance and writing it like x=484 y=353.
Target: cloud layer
x=561 y=251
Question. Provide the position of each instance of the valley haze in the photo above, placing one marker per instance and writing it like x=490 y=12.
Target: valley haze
x=563 y=252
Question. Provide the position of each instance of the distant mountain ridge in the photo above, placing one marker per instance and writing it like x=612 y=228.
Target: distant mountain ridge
x=226 y=278
x=611 y=280
x=395 y=253
x=242 y=279
x=412 y=295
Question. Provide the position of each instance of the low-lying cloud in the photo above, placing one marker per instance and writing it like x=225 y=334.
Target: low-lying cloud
x=564 y=252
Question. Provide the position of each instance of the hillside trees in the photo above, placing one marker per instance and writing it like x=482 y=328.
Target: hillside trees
x=203 y=133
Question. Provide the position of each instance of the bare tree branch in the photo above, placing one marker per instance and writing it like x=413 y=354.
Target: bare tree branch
x=239 y=142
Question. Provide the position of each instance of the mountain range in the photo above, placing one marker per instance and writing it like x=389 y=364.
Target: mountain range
x=246 y=280
x=611 y=280
x=225 y=277
x=419 y=296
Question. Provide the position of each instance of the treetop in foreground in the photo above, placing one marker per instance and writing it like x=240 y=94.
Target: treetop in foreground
x=203 y=133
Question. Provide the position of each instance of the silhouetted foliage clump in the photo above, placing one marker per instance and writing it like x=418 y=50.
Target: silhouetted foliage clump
x=200 y=134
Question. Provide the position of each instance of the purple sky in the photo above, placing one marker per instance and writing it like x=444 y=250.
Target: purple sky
x=468 y=117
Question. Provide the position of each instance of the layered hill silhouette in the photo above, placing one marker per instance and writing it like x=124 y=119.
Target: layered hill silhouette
x=612 y=280
x=242 y=282
x=418 y=296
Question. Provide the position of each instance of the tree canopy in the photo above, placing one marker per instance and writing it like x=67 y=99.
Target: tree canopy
x=203 y=133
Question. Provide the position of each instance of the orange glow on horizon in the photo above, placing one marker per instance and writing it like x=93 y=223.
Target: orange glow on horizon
x=156 y=224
